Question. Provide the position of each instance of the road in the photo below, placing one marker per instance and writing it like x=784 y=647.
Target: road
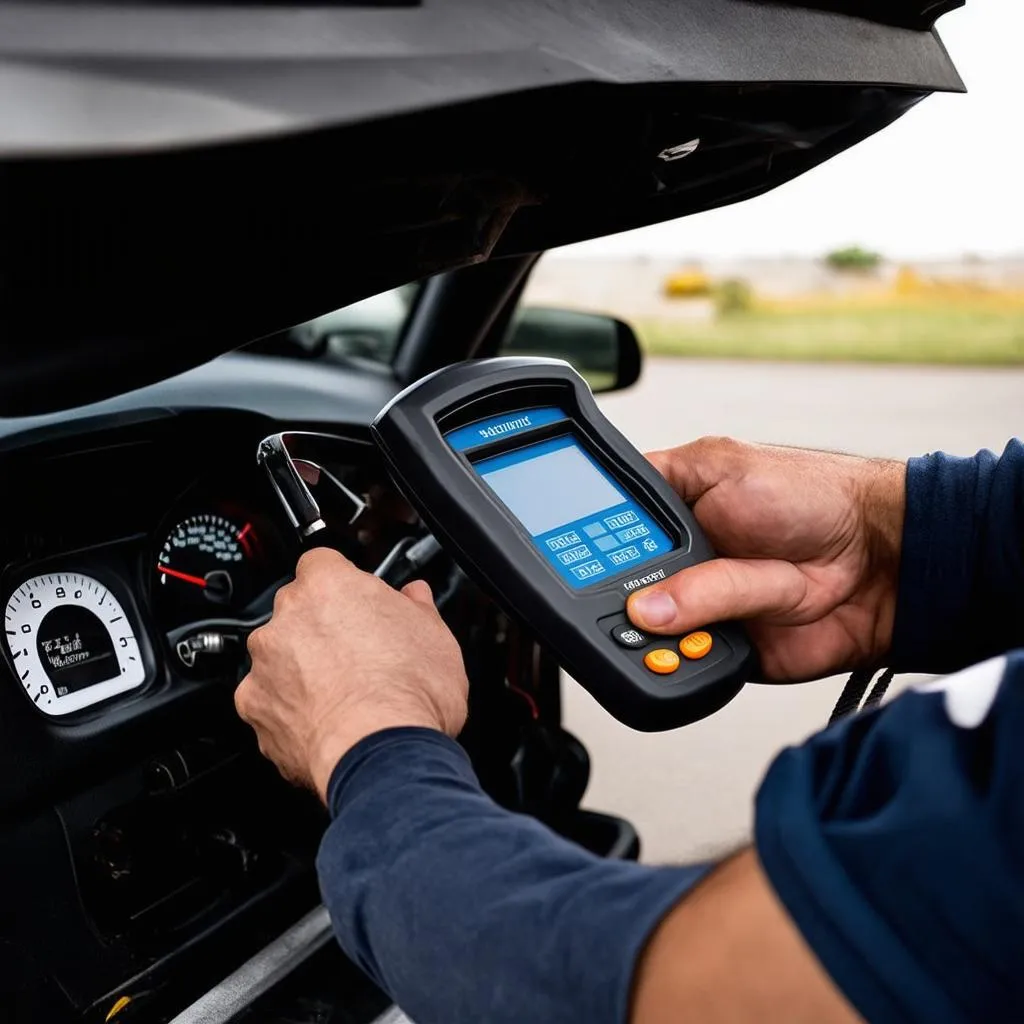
x=690 y=792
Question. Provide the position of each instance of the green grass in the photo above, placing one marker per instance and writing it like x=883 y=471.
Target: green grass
x=955 y=333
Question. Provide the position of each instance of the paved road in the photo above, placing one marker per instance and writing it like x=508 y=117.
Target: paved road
x=690 y=792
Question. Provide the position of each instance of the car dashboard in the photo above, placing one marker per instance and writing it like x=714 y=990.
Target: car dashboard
x=141 y=828
x=146 y=847
x=121 y=543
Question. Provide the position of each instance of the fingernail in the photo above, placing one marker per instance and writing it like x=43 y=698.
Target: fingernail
x=655 y=609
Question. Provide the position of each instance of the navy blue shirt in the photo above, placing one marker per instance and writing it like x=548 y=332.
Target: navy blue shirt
x=895 y=839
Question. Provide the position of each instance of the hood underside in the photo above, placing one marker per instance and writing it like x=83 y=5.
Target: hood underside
x=177 y=181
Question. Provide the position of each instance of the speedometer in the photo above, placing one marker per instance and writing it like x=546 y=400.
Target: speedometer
x=70 y=642
x=206 y=557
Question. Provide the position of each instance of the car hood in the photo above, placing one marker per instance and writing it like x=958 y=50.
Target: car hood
x=176 y=181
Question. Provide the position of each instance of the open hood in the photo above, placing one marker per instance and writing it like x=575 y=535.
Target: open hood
x=176 y=181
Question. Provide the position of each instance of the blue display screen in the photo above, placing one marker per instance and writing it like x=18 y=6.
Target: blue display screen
x=579 y=518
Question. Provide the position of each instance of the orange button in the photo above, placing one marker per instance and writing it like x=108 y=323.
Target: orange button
x=696 y=645
x=662 y=661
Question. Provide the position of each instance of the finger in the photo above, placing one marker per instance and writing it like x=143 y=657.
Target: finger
x=256 y=640
x=693 y=469
x=320 y=559
x=420 y=592
x=282 y=595
x=243 y=696
x=719 y=590
x=660 y=460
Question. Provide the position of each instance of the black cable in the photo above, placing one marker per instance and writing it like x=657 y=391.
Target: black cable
x=849 y=702
x=852 y=695
x=874 y=698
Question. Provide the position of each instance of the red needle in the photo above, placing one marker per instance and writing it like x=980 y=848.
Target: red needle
x=243 y=538
x=167 y=571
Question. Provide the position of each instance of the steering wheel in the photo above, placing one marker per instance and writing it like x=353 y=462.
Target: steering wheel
x=295 y=462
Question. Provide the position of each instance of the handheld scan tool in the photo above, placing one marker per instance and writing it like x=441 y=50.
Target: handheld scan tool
x=554 y=513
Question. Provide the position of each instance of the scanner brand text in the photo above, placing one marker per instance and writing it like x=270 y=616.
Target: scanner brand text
x=497 y=429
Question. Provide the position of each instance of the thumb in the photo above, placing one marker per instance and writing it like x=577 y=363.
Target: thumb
x=719 y=590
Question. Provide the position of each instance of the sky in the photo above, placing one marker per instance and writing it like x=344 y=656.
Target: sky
x=945 y=180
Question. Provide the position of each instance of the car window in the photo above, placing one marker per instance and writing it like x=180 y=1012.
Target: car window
x=368 y=330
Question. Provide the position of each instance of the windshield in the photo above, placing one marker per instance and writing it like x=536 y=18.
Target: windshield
x=366 y=331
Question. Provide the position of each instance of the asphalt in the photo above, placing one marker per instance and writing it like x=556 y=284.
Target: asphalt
x=690 y=792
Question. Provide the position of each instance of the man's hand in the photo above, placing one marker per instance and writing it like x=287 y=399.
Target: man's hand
x=810 y=545
x=345 y=656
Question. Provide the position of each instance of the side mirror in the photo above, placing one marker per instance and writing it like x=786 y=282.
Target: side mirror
x=604 y=351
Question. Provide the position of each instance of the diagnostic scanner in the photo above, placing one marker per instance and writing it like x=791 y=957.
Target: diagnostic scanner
x=559 y=518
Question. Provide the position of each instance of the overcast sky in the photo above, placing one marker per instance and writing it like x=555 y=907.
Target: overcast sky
x=944 y=180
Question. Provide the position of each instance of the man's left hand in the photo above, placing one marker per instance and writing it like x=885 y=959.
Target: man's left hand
x=342 y=657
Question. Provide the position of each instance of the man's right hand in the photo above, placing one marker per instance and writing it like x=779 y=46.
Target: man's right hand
x=809 y=544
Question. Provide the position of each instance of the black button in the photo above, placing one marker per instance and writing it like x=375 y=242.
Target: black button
x=629 y=636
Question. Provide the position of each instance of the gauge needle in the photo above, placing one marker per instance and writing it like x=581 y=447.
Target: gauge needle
x=167 y=571
x=243 y=538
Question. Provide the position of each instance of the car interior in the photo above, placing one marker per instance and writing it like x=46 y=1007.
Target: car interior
x=163 y=847
x=147 y=295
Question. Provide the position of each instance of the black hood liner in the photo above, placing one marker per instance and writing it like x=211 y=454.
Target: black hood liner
x=123 y=266
x=916 y=14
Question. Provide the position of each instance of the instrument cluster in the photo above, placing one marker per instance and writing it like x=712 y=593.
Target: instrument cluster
x=138 y=560
x=77 y=627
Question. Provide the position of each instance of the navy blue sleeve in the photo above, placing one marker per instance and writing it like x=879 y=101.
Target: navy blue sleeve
x=464 y=912
x=961 y=593
x=896 y=842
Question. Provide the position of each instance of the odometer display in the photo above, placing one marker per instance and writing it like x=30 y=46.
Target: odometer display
x=70 y=642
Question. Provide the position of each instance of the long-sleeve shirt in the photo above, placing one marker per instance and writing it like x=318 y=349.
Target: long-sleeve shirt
x=894 y=839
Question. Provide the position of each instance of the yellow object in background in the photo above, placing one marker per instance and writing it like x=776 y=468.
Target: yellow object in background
x=688 y=284
x=909 y=282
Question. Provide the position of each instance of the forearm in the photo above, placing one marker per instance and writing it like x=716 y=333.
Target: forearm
x=961 y=589
x=729 y=952
x=463 y=911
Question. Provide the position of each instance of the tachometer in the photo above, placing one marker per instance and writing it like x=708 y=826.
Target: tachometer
x=71 y=643
x=206 y=556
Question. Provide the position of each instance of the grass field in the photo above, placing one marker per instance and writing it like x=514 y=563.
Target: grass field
x=983 y=333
